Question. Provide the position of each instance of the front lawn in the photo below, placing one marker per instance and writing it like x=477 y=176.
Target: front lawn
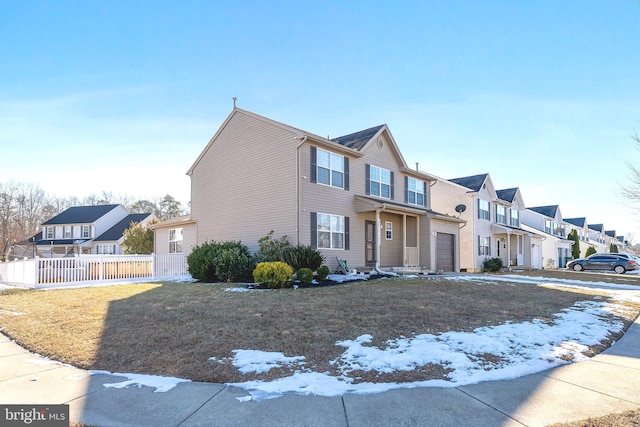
x=174 y=329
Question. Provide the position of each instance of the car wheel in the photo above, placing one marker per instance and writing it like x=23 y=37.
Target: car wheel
x=619 y=269
x=578 y=267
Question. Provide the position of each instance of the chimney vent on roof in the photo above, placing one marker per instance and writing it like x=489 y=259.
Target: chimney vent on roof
x=416 y=166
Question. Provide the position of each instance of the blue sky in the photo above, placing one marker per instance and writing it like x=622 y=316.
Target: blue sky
x=122 y=96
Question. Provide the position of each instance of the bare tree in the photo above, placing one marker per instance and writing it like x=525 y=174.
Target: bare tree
x=631 y=191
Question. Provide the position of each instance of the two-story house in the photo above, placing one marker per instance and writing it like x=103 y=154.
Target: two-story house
x=547 y=222
x=579 y=224
x=352 y=197
x=87 y=230
x=597 y=238
x=493 y=221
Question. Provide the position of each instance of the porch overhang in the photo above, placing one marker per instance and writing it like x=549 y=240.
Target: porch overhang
x=505 y=229
x=61 y=242
x=370 y=204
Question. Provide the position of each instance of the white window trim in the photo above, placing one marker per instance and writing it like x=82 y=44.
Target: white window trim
x=388 y=230
x=86 y=228
x=333 y=220
x=380 y=182
x=51 y=230
x=484 y=213
x=501 y=218
x=68 y=228
x=485 y=250
x=418 y=188
x=332 y=156
x=176 y=241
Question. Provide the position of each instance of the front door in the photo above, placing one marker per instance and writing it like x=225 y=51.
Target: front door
x=370 y=242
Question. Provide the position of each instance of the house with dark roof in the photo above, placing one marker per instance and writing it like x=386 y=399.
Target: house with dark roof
x=351 y=197
x=493 y=222
x=547 y=222
x=87 y=230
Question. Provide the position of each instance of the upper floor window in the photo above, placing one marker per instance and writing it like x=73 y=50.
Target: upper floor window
x=380 y=182
x=483 y=210
x=501 y=214
x=86 y=231
x=415 y=191
x=175 y=241
x=329 y=168
x=515 y=218
x=49 y=232
x=66 y=232
x=548 y=226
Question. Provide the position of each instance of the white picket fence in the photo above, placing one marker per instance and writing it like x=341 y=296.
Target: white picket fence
x=43 y=272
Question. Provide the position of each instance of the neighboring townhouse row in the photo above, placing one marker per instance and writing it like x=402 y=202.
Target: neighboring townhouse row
x=87 y=230
x=355 y=198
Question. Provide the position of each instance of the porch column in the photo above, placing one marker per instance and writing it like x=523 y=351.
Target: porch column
x=378 y=236
x=508 y=250
x=404 y=240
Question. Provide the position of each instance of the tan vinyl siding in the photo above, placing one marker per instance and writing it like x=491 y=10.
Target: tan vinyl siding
x=244 y=185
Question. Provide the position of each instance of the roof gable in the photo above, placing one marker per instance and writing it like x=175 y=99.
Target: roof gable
x=596 y=227
x=549 y=211
x=117 y=231
x=473 y=183
x=578 y=222
x=508 y=195
x=358 y=140
x=81 y=215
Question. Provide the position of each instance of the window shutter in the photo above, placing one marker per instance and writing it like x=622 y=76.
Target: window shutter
x=479 y=245
x=424 y=192
x=346 y=173
x=406 y=189
x=367 y=179
x=346 y=233
x=479 y=212
x=489 y=245
x=314 y=230
x=392 y=181
x=314 y=162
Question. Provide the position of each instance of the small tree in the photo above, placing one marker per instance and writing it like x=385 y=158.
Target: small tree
x=590 y=251
x=613 y=248
x=575 y=248
x=138 y=239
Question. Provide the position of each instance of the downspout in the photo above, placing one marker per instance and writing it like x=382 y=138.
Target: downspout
x=298 y=194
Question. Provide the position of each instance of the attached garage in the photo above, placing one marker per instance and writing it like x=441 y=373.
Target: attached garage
x=445 y=258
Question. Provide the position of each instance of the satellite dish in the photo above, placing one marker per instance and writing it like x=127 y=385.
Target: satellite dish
x=461 y=208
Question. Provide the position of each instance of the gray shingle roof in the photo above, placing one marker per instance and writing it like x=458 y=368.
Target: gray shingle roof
x=508 y=195
x=549 y=211
x=610 y=233
x=359 y=139
x=596 y=227
x=117 y=231
x=578 y=222
x=473 y=183
x=81 y=214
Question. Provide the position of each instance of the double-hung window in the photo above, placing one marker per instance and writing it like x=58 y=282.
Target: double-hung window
x=483 y=210
x=380 y=182
x=415 y=191
x=49 y=232
x=86 y=231
x=548 y=226
x=501 y=214
x=66 y=232
x=331 y=231
x=175 y=241
x=106 y=249
x=388 y=230
x=484 y=245
x=330 y=168
x=515 y=218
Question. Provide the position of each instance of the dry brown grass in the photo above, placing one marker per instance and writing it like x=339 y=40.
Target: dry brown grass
x=625 y=419
x=173 y=329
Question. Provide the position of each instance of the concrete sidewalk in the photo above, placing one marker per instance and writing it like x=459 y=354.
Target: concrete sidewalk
x=609 y=383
